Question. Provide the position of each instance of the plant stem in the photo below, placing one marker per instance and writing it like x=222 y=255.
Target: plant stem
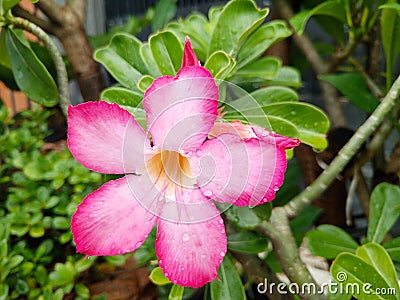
x=345 y=154
x=62 y=77
x=278 y=230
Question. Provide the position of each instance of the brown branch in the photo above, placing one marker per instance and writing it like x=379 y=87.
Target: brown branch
x=79 y=7
x=22 y=13
x=52 y=10
x=287 y=252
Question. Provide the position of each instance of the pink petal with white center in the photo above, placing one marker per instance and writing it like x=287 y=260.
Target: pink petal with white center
x=111 y=221
x=97 y=134
x=181 y=111
x=190 y=254
x=189 y=57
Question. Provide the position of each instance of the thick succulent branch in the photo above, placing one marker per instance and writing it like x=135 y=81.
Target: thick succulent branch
x=62 y=77
x=278 y=230
x=346 y=153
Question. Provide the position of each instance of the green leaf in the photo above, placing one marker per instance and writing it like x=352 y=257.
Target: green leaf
x=167 y=52
x=329 y=241
x=248 y=242
x=164 y=11
x=333 y=8
x=390 y=31
x=158 y=278
x=266 y=68
x=148 y=59
x=376 y=255
x=273 y=94
x=236 y=22
x=220 y=64
x=122 y=58
x=145 y=82
x=229 y=286
x=29 y=72
x=384 y=210
x=263 y=38
x=36 y=231
x=122 y=96
x=393 y=248
x=287 y=76
x=176 y=292
x=8 y=4
x=82 y=290
x=353 y=86
x=359 y=277
x=22 y=287
x=243 y=216
x=395 y=6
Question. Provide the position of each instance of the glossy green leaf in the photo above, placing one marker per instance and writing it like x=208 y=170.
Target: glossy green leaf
x=122 y=58
x=122 y=96
x=6 y=74
x=176 y=292
x=393 y=248
x=248 y=242
x=384 y=210
x=219 y=64
x=167 y=52
x=263 y=38
x=329 y=241
x=236 y=22
x=390 y=31
x=360 y=278
x=8 y=4
x=148 y=59
x=376 y=255
x=266 y=68
x=332 y=8
x=353 y=86
x=243 y=216
x=157 y=277
x=283 y=127
x=145 y=82
x=30 y=74
x=395 y=6
x=229 y=285
x=274 y=94
x=310 y=121
x=164 y=11
x=287 y=76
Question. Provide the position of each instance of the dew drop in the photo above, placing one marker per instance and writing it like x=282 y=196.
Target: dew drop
x=203 y=256
x=199 y=153
x=138 y=244
x=207 y=193
x=160 y=261
x=222 y=253
x=185 y=237
x=221 y=221
x=275 y=188
x=182 y=269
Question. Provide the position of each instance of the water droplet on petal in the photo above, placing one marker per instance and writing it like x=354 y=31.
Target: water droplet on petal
x=203 y=256
x=221 y=221
x=138 y=244
x=275 y=188
x=185 y=237
x=207 y=193
x=199 y=153
x=222 y=253
x=182 y=269
x=160 y=262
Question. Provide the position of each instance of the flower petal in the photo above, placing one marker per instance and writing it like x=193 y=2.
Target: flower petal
x=180 y=111
x=241 y=171
x=190 y=254
x=111 y=221
x=98 y=132
x=189 y=57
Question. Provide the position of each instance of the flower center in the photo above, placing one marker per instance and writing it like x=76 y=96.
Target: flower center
x=170 y=173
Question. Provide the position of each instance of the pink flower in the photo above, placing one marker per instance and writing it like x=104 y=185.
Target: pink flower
x=173 y=172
